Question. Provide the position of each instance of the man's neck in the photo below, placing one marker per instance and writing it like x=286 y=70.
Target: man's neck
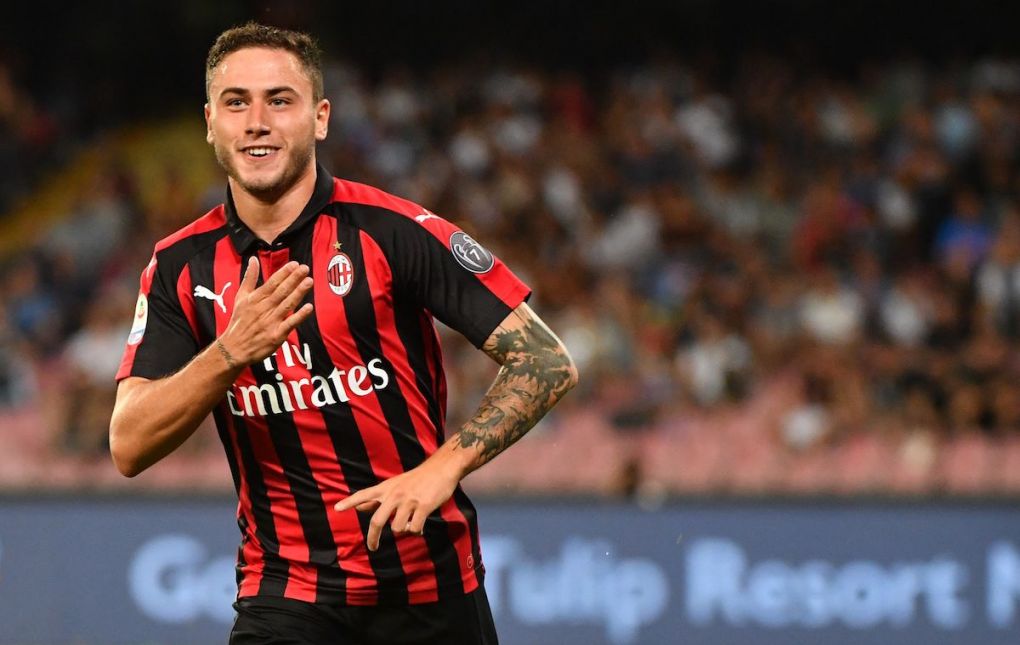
x=267 y=219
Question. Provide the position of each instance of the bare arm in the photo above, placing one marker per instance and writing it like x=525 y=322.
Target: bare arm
x=152 y=418
x=536 y=371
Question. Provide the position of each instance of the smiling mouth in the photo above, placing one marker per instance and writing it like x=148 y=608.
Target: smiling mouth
x=259 y=152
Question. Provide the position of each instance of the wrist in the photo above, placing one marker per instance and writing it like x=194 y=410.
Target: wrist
x=458 y=459
x=232 y=361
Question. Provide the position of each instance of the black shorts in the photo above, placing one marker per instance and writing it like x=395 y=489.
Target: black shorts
x=465 y=620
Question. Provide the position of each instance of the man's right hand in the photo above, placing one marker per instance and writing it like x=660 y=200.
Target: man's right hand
x=263 y=317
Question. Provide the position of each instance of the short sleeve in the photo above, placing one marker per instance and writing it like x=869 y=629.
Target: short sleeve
x=161 y=340
x=456 y=278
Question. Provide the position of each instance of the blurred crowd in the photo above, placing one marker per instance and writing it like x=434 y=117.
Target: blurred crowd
x=696 y=236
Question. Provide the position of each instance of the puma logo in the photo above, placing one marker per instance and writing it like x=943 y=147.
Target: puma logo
x=203 y=292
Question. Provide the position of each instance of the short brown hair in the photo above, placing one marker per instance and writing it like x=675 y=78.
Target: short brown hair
x=253 y=34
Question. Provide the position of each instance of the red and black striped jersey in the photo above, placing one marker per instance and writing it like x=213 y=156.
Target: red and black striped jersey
x=354 y=396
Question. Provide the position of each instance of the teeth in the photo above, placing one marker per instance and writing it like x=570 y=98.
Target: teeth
x=259 y=152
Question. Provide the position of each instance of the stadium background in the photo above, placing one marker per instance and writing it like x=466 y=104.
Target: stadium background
x=782 y=240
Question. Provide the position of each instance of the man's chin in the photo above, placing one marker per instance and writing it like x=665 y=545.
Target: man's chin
x=263 y=188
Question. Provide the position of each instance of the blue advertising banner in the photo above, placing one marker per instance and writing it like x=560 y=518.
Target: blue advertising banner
x=96 y=571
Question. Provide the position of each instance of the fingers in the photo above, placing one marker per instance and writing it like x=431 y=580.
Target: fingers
x=292 y=299
x=294 y=320
x=379 y=520
x=365 y=500
x=282 y=283
x=367 y=507
x=356 y=499
x=416 y=524
x=402 y=518
x=250 y=278
x=262 y=317
x=406 y=516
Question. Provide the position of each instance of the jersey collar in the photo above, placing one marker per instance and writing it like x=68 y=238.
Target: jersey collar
x=243 y=237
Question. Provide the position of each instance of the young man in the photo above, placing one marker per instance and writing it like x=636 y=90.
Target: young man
x=300 y=314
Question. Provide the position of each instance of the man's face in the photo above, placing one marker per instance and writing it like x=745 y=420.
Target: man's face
x=263 y=120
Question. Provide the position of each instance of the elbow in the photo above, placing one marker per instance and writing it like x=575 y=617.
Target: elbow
x=127 y=469
x=125 y=464
x=124 y=459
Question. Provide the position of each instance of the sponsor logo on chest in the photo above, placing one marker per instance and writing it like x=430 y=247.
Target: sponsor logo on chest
x=320 y=390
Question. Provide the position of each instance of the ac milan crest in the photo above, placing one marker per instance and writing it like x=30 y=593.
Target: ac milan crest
x=340 y=274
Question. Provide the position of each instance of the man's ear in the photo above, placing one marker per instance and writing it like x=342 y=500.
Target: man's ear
x=322 y=120
x=208 y=126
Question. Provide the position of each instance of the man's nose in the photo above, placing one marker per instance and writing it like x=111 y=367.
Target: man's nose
x=256 y=125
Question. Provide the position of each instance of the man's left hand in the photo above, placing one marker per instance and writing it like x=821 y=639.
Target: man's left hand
x=406 y=500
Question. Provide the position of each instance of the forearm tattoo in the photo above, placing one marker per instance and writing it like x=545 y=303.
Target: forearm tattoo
x=536 y=372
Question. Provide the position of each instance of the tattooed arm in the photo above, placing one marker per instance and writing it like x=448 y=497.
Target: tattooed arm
x=536 y=371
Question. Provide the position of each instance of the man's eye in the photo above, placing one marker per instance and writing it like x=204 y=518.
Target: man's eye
x=234 y=102
x=278 y=102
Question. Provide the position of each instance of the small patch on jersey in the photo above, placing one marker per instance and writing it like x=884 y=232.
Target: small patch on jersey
x=470 y=254
x=340 y=274
x=138 y=324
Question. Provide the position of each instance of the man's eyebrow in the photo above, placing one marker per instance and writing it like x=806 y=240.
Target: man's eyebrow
x=245 y=92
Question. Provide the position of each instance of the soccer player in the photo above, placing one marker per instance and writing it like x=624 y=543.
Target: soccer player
x=299 y=313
